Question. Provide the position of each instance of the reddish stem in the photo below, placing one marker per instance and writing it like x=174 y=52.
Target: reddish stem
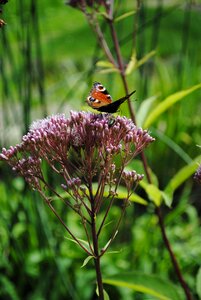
x=157 y=210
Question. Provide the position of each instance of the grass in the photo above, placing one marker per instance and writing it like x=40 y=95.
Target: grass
x=36 y=261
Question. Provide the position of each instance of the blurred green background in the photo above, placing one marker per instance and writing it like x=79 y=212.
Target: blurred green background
x=48 y=61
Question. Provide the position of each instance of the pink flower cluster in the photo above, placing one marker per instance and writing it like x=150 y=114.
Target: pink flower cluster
x=197 y=175
x=79 y=146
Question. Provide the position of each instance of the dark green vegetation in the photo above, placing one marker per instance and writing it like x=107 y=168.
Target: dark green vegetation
x=48 y=55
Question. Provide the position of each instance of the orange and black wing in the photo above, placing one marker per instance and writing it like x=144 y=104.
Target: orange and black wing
x=114 y=106
x=98 y=96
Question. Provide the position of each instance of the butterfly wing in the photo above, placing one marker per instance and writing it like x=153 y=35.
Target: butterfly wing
x=98 y=96
x=114 y=106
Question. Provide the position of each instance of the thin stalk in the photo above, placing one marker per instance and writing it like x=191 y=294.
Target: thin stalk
x=121 y=65
x=157 y=210
x=62 y=222
x=112 y=200
x=97 y=258
x=116 y=228
x=94 y=234
x=171 y=253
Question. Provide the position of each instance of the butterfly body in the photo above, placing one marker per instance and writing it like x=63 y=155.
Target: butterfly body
x=100 y=99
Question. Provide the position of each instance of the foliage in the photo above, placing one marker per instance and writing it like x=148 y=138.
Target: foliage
x=49 y=57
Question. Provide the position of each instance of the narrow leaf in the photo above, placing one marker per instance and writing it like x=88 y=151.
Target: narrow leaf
x=134 y=63
x=107 y=66
x=122 y=193
x=167 y=103
x=145 y=58
x=131 y=65
x=126 y=15
x=87 y=260
x=104 y=64
x=153 y=192
x=110 y=240
x=144 y=109
x=181 y=176
x=109 y=70
x=147 y=284
x=80 y=240
x=171 y=144
x=106 y=296
x=137 y=199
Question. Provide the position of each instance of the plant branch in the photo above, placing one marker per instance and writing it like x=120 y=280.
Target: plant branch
x=62 y=222
x=95 y=248
x=132 y=114
x=172 y=256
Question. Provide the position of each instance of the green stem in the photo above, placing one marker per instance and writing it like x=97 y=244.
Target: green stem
x=97 y=258
x=144 y=160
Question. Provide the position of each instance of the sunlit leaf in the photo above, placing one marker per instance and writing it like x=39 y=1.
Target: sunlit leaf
x=126 y=15
x=131 y=64
x=87 y=260
x=106 y=296
x=106 y=246
x=181 y=176
x=144 y=109
x=167 y=103
x=83 y=242
x=153 y=192
x=147 y=284
x=107 y=66
x=122 y=194
x=104 y=64
x=134 y=63
x=108 y=70
x=145 y=58
x=137 y=199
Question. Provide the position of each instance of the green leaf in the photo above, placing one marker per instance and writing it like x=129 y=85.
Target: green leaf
x=154 y=194
x=108 y=243
x=123 y=193
x=167 y=103
x=137 y=199
x=147 y=284
x=145 y=58
x=109 y=70
x=198 y=283
x=83 y=242
x=87 y=260
x=104 y=64
x=171 y=144
x=105 y=294
x=181 y=176
x=108 y=67
x=144 y=109
x=126 y=15
x=134 y=63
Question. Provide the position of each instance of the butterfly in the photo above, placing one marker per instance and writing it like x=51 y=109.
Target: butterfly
x=100 y=99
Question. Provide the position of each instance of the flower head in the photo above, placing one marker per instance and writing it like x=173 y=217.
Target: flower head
x=197 y=175
x=81 y=145
x=80 y=4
